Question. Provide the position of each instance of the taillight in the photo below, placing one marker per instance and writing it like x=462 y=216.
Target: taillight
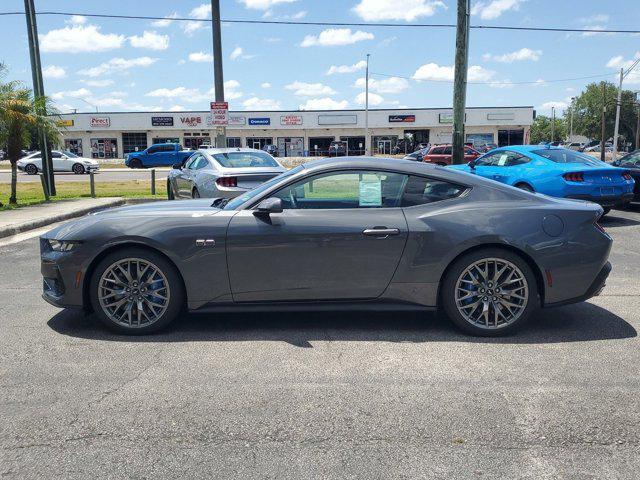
x=627 y=176
x=227 y=181
x=574 y=177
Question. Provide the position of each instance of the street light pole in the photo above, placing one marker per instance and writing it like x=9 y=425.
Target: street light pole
x=38 y=92
x=573 y=105
x=460 y=79
x=553 y=124
x=367 y=136
x=618 y=105
x=218 y=79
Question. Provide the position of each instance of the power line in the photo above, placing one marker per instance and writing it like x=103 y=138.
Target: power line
x=535 y=82
x=332 y=24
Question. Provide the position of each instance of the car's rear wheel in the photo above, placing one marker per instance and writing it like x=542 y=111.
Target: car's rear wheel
x=525 y=186
x=489 y=292
x=78 y=168
x=195 y=193
x=170 y=194
x=135 y=163
x=136 y=291
x=31 y=169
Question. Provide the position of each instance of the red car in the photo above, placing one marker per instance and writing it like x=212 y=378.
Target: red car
x=441 y=154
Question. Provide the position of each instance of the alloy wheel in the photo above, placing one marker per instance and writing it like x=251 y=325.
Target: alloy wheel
x=133 y=292
x=491 y=293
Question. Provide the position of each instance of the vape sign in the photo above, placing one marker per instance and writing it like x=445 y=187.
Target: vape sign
x=193 y=121
x=219 y=113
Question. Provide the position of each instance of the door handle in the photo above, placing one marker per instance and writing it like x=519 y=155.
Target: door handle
x=382 y=232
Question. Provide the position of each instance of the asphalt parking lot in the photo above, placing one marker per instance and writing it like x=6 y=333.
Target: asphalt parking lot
x=322 y=395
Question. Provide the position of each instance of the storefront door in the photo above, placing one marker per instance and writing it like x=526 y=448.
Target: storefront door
x=73 y=145
x=290 y=146
x=384 y=147
x=104 y=147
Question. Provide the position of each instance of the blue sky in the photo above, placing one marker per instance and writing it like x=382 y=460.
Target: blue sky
x=144 y=65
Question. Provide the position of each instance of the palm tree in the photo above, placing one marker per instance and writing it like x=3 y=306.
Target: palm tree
x=19 y=112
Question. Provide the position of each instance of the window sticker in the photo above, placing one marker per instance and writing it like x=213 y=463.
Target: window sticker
x=370 y=193
x=503 y=160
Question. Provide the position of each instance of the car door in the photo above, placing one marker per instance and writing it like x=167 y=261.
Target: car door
x=507 y=166
x=59 y=164
x=340 y=236
x=183 y=177
x=485 y=165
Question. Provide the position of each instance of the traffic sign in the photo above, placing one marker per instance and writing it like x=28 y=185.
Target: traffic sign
x=219 y=113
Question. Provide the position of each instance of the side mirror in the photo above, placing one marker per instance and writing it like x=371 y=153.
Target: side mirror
x=472 y=164
x=177 y=166
x=268 y=206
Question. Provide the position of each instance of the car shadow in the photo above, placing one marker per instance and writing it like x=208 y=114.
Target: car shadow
x=612 y=220
x=576 y=323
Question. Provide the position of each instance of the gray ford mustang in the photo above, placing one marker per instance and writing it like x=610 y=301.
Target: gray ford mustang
x=351 y=232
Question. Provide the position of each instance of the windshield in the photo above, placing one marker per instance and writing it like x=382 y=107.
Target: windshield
x=70 y=154
x=245 y=159
x=562 y=155
x=236 y=202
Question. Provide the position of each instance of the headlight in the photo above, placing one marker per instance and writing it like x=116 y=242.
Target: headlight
x=62 y=245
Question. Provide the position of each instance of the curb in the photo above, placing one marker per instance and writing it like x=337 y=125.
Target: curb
x=43 y=222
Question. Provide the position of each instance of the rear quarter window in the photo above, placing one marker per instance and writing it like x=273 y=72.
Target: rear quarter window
x=423 y=190
x=562 y=155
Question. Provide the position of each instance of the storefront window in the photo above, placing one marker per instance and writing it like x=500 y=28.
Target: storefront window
x=233 y=142
x=104 y=148
x=384 y=144
x=134 y=142
x=479 y=138
x=166 y=140
x=73 y=145
x=259 y=142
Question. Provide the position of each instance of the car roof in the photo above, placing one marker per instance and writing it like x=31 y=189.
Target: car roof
x=213 y=151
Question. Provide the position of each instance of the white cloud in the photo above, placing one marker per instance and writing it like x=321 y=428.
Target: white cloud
x=408 y=10
x=177 y=108
x=231 y=91
x=79 y=38
x=302 y=89
x=336 y=36
x=200 y=57
x=117 y=65
x=619 y=62
x=442 y=73
x=150 y=40
x=237 y=53
x=76 y=20
x=99 y=83
x=263 y=4
x=596 y=18
x=347 y=68
x=386 y=85
x=166 y=22
x=374 y=99
x=201 y=12
x=595 y=27
x=490 y=10
x=255 y=103
x=518 y=55
x=177 y=92
x=324 y=104
x=558 y=105
x=265 y=85
x=53 y=71
x=79 y=93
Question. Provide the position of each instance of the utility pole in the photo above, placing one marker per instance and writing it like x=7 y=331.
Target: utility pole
x=602 y=129
x=367 y=136
x=38 y=92
x=553 y=124
x=218 y=79
x=573 y=105
x=618 y=105
x=460 y=79
x=638 y=122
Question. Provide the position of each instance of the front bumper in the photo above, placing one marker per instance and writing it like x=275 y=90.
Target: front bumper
x=605 y=200
x=61 y=277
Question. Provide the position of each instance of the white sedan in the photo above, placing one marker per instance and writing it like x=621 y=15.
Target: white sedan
x=62 y=162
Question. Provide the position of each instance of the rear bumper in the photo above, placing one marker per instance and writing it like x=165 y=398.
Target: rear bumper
x=605 y=200
x=594 y=289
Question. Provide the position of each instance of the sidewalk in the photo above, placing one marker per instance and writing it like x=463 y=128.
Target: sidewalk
x=22 y=219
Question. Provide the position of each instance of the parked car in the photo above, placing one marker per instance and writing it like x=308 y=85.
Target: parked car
x=577 y=146
x=485 y=147
x=631 y=162
x=414 y=157
x=355 y=232
x=63 y=161
x=337 y=148
x=441 y=154
x=158 y=155
x=271 y=150
x=221 y=173
x=608 y=148
x=557 y=172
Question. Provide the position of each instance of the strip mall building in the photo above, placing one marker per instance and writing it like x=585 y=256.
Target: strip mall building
x=296 y=133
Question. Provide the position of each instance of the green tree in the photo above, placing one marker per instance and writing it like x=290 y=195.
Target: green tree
x=20 y=113
x=541 y=129
x=587 y=112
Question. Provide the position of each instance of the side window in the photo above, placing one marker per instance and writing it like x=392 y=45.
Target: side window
x=447 y=151
x=516 y=159
x=422 y=190
x=202 y=163
x=347 y=189
x=167 y=148
x=153 y=150
x=56 y=155
x=191 y=162
x=487 y=160
x=437 y=151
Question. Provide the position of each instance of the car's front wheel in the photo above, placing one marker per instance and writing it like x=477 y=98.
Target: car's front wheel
x=78 y=168
x=170 y=194
x=135 y=163
x=195 y=193
x=136 y=291
x=489 y=292
x=31 y=169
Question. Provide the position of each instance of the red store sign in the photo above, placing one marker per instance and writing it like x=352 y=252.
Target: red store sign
x=191 y=121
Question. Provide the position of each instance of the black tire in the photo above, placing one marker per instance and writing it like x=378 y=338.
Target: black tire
x=526 y=187
x=195 y=193
x=170 y=194
x=176 y=298
x=31 y=169
x=605 y=210
x=135 y=163
x=78 y=168
x=448 y=292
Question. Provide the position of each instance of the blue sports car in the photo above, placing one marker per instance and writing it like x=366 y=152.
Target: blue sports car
x=557 y=172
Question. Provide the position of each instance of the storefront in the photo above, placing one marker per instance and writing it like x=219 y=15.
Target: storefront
x=194 y=140
x=290 y=146
x=355 y=145
x=319 y=146
x=259 y=142
x=165 y=140
x=73 y=145
x=134 y=142
x=234 y=142
x=104 y=148
x=384 y=144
